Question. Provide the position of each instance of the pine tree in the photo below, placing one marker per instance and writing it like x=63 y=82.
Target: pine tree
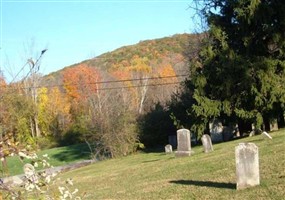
x=240 y=71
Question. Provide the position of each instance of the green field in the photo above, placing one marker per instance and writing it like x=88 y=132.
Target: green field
x=200 y=176
x=58 y=157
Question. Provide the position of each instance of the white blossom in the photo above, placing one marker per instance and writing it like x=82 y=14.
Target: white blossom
x=45 y=155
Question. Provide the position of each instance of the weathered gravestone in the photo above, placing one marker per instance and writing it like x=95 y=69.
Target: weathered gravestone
x=216 y=131
x=168 y=148
x=247 y=165
x=184 y=143
x=207 y=143
x=273 y=125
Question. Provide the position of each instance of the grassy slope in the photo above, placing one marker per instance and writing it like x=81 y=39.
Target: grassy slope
x=201 y=176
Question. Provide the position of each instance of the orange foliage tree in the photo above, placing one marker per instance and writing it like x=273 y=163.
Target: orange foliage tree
x=81 y=81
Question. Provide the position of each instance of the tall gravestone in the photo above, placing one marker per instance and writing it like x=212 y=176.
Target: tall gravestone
x=183 y=142
x=207 y=143
x=247 y=165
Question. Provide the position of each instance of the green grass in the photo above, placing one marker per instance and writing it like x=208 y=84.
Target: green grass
x=58 y=157
x=200 y=176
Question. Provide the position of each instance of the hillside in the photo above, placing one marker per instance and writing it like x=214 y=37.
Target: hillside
x=157 y=53
x=200 y=176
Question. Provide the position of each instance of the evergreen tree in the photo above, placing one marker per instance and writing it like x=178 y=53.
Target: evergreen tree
x=240 y=71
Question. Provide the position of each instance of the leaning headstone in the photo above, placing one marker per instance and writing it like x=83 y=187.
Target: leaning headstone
x=168 y=148
x=247 y=165
x=216 y=131
x=184 y=143
x=266 y=134
x=207 y=143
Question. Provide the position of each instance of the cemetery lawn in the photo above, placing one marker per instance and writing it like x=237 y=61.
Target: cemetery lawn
x=200 y=176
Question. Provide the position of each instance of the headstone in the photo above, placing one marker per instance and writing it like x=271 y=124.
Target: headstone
x=216 y=131
x=228 y=133
x=172 y=140
x=247 y=165
x=184 y=143
x=168 y=148
x=273 y=125
x=266 y=134
x=207 y=143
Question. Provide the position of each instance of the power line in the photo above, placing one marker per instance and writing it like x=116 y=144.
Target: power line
x=120 y=81
x=137 y=86
x=126 y=87
x=116 y=81
x=107 y=82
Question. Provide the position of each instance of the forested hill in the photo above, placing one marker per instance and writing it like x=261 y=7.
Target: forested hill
x=160 y=57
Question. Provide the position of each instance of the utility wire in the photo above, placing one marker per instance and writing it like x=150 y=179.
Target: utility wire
x=137 y=86
x=107 y=82
x=19 y=72
x=116 y=81
x=123 y=87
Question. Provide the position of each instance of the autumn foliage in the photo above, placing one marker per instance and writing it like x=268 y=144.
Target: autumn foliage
x=80 y=81
x=96 y=101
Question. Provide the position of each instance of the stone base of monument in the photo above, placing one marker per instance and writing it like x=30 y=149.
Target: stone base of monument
x=182 y=153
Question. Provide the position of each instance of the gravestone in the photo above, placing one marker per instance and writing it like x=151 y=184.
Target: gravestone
x=273 y=125
x=216 y=131
x=207 y=143
x=266 y=134
x=183 y=142
x=172 y=140
x=168 y=148
x=228 y=133
x=247 y=165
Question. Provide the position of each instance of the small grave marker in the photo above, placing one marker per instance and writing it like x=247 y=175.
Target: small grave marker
x=207 y=143
x=168 y=148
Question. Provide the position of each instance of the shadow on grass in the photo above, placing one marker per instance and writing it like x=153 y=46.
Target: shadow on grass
x=73 y=152
x=205 y=184
x=148 y=161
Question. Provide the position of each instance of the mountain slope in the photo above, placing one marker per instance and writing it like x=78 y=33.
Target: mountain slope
x=157 y=53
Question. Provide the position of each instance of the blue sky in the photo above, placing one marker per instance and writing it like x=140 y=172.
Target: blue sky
x=74 y=31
